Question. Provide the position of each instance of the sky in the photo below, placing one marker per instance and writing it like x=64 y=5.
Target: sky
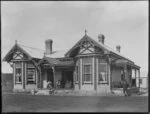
x=123 y=23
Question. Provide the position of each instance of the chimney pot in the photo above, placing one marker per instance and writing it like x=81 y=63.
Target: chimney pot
x=118 y=47
x=48 y=46
x=101 y=38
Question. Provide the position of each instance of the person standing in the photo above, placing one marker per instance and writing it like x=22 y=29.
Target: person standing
x=125 y=87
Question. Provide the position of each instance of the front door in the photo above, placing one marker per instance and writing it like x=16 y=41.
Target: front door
x=67 y=79
x=50 y=76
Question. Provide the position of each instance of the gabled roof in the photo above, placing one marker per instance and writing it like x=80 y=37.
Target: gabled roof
x=97 y=44
x=28 y=51
x=85 y=37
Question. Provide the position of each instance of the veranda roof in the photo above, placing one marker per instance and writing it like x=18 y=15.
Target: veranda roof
x=122 y=62
x=57 y=62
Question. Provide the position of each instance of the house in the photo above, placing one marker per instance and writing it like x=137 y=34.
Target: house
x=88 y=66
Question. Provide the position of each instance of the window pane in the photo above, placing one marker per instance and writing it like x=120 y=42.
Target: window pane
x=102 y=68
x=102 y=76
x=30 y=65
x=102 y=72
x=87 y=73
x=18 y=65
x=18 y=74
x=30 y=75
x=87 y=77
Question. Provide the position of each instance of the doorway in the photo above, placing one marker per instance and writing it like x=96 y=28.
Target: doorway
x=133 y=82
x=67 y=79
x=50 y=76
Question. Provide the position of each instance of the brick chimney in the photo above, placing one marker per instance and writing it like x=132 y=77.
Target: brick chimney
x=48 y=46
x=118 y=47
x=101 y=38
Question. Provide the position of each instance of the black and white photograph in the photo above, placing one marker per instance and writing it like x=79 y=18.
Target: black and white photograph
x=74 y=56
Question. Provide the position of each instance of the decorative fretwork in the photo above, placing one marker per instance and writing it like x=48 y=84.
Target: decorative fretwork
x=18 y=55
x=86 y=45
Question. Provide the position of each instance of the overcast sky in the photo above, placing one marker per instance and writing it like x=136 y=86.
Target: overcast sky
x=32 y=22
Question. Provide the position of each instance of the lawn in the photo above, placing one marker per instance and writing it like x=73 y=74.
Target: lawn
x=41 y=103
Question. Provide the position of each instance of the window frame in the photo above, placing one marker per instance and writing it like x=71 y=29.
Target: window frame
x=140 y=81
x=87 y=82
x=16 y=68
x=106 y=74
x=30 y=68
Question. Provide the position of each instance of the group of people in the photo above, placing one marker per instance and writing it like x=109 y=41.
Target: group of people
x=50 y=85
x=58 y=85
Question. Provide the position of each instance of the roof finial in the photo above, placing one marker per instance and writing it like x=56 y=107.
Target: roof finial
x=85 y=32
x=16 y=41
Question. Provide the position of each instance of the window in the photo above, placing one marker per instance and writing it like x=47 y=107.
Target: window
x=87 y=73
x=122 y=75
x=102 y=77
x=140 y=81
x=31 y=74
x=77 y=73
x=18 y=73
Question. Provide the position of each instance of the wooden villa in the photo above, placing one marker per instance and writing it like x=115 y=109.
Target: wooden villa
x=88 y=66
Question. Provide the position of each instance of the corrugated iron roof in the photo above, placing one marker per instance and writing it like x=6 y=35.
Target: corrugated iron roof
x=39 y=53
x=33 y=52
x=114 y=51
x=57 y=54
x=58 y=62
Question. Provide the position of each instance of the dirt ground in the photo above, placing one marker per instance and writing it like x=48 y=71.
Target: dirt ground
x=45 y=103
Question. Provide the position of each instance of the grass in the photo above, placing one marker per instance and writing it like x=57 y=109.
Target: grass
x=41 y=103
